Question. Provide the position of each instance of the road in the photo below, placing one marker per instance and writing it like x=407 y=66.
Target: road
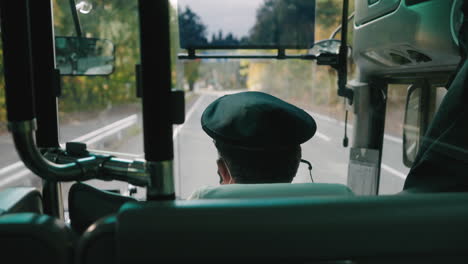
x=195 y=154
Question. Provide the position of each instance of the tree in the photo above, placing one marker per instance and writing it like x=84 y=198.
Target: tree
x=192 y=30
x=191 y=72
x=284 y=23
x=228 y=40
x=192 y=33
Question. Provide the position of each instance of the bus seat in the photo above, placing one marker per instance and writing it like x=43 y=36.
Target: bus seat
x=97 y=245
x=417 y=228
x=20 y=200
x=87 y=205
x=272 y=190
x=34 y=238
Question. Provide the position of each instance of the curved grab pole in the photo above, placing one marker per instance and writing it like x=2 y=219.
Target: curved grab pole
x=23 y=137
x=71 y=169
x=19 y=94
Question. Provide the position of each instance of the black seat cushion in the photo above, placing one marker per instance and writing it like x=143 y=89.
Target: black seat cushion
x=88 y=204
x=33 y=238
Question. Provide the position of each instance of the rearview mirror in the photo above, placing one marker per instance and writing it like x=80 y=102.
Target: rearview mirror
x=412 y=124
x=256 y=24
x=327 y=46
x=84 y=56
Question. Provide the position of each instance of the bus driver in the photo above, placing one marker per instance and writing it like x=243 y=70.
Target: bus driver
x=258 y=137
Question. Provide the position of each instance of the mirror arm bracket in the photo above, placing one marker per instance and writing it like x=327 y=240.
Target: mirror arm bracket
x=192 y=53
x=281 y=54
x=342 y=67
x=189 y=56
x=76 y=18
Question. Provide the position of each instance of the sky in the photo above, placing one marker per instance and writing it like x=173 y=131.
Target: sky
x=236 y=16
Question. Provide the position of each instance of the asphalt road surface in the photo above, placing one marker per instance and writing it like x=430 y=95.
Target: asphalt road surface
x=195 y=154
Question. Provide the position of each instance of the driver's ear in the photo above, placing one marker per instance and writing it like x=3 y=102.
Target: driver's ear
x=223 y=172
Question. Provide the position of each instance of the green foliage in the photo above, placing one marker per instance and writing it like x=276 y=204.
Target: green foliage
x=2 y=93
x=303 y=82
x=284 y=22
x=328 y=13
x=113 y=20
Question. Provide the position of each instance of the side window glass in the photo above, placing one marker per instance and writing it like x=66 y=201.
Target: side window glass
x=439 y=94
x=403 y=131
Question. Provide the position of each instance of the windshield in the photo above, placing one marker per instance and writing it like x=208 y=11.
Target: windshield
x=302 y=83
x=105 y=112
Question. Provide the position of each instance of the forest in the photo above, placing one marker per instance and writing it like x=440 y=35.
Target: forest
x=301 y=82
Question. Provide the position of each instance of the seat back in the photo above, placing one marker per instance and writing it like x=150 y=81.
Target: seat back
x=273 y=190
x=418 y=228
x=88 y=204
x=97 y=245
x=34 y=238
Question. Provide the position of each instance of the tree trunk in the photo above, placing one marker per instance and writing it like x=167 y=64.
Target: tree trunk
x=191 y=86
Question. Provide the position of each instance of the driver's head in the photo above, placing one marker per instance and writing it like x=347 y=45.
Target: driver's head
x=258 y=137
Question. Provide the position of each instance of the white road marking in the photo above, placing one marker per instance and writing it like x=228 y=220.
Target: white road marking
x=103 y=129
x=323 y=137
x=332 y=120
x=394 y=139
x=111 y=131
x=14 y=177
x=326 y=118
x=393 y=171
x=11 y=167
x=188 y=116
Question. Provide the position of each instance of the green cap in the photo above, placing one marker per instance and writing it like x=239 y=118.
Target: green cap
x=257 y=120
